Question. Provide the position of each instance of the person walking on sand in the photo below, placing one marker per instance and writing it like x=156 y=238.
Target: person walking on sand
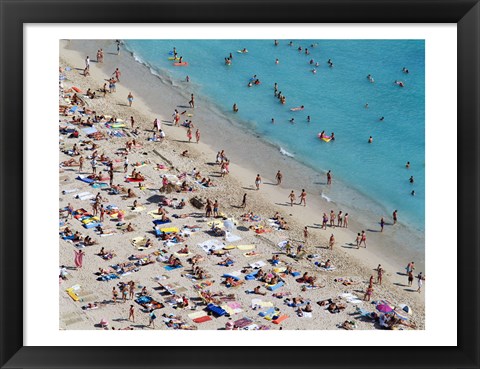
x=157 y=125
x=379 y=274
x=125 y=164
x=368 y=294
x=303 y=198
x=130 y=99
x=258 y=180
x=152 y=317
x=332 y=218
x=79 y=258
x=329 y=177
x=192 y=101
x=291 y=197
x=114 y=295
x=118 y=47
x=80 y=162
x=363 y=239
x=331 y=242
x=244 y=201
x=132 y=122
x=279 y=177
x=131 y=314
x=340 y=219
x=189 y=135
x=305 y=234
x=94 y=166
x=345 y=221
x=215 y=209
x=382 y=224
x=117 y=74
x=358 y=240
x=410 y=267
x=410 y=278
x=420 y=279
x=324 y=221
x=197 y=135
x=132 y=289
x=87 y=62
x=395 y=217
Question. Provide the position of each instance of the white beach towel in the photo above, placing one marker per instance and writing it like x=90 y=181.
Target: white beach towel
x=211 y=245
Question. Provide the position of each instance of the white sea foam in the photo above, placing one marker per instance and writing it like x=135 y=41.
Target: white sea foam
x=286 y=153
x=326 y=197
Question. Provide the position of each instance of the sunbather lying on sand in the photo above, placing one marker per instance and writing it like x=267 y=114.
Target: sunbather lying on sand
x=70 y=163
x=257 y=291
x=226 y=262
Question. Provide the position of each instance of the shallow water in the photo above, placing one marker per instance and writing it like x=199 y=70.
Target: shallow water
x=335 y=100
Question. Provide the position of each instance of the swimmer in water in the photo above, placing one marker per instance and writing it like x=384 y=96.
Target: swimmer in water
x=307 y=52
x=411 y=179
x=317 y=64
x=311 y=61
x=250 y=84
x=180 y=60
x=273 y=121
x=275 y=43
x=405 y=70
x=308 y=118
x=314 y=71
x=187 y=79
x=277 y=61
x=299 y=49
x=292 y=120
x=413 y=193
x=322 y=134
x=370 y=140
x=332 y=136
x=244 y=50
x=235 y=107
x=290 y=43
x=407 y=165
x=366 y=106
x=382 y=119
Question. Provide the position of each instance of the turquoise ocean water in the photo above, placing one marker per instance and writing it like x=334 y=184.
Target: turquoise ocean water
x=334 y=98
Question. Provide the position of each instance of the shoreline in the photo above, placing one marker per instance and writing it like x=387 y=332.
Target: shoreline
x=240 y=173
x=248 y=147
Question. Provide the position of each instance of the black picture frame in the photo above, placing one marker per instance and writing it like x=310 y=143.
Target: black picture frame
x=14 y=14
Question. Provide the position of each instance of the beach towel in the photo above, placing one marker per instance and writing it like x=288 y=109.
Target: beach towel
x=85 y=179
x=257 y=264
x=108 y=277
x=171 y=267
x=279 y=319
x=211 y=245
x=279 y=270
x=234 y=275
x=216 y=310
x=215 y=223
x=99 y=185
x=143 y=300
x=230 y=237
x=295 y=274
x=261 y=303
x=245 y=247
x=89 y=130
x=134 y=180
x=170 y=230
x=251 y=276
x=159 y=221
x=275 y=287
x=137 y=209
x=72 y=294
x=92 y=225
x=202 y=319
x=154 y=214
x=243 y=323
x=267 y=312
x=85 y=196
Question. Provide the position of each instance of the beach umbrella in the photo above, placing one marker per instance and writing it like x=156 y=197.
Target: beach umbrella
x=401 y=314
x=228 y=225
x=383 y=308
x=406 y=309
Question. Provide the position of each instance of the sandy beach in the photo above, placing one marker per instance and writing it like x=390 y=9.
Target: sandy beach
x=345 y=284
